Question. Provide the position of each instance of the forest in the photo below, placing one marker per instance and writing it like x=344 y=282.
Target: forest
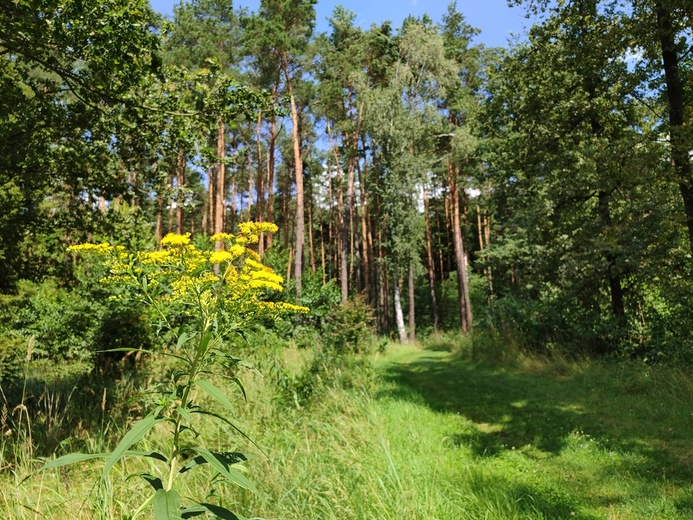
x=322 y=235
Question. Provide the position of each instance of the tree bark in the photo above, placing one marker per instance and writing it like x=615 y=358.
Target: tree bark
x=342 y=220
x=270 y=171
x=399 y=315
x=412 y=309
x=180 y=198
x=680 y=144
x=298 y=170
x=219 y=207
x=460 y=260
x=429 y=263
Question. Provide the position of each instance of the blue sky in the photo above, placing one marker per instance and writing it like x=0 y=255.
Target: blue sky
x=495 y=19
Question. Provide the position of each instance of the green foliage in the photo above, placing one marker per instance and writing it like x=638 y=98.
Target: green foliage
x=219 y=294
x=12 y=356
x=325 y=371
x=349 y=325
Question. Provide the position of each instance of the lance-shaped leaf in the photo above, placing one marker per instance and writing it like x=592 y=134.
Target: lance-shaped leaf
x=138 y=431
x=231 y=457
x=72 y=458
x=215 y=392
x=228 y=471
x=202 y=508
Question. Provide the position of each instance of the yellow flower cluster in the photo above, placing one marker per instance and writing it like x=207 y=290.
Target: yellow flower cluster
x=221 y=237
x=91 y=248
x=227 y=283
x=219 y=257
x=174 y=240
x=282 y=307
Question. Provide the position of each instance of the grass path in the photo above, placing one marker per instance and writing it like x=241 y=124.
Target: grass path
x=432 y=436
x=539 y=440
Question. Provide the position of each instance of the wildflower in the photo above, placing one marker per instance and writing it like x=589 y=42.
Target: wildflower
x=220 y=256
x=174 y=240
x=90 y=248
x=155 y=257
x=221 y=237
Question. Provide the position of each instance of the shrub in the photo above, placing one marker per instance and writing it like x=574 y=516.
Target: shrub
x=12 y=353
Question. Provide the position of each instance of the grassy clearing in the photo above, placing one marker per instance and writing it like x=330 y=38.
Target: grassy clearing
x=428 y=434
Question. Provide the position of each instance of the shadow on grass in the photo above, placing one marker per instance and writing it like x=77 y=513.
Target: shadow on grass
x=514 y=410
x=65 y=412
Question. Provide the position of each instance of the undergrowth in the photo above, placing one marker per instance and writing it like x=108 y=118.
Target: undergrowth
x=457 y=429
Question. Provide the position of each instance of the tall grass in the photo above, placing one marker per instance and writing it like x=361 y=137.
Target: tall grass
x=450 y=431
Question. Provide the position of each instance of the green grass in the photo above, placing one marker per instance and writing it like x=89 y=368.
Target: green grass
x=428 y=434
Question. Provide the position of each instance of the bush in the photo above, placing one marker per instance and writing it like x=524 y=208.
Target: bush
x=12 y=353
x=349 y=324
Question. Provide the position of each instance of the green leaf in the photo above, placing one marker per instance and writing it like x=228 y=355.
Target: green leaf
x=199 y=509
x=184 y=338
x=193 y=511
x=72 y=458
x=231 y=457
x=152 y=454
x=215 y=392
x=167 y=505
x=153 y=481
x=138 y=431
x=185 y=414
x=205 y=342
x=226 y=470
x=224 y=419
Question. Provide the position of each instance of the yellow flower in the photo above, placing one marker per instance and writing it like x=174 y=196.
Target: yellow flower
x=237 y=250
x=282 y=307
x=90 y=248
x=220 y=256
x=155 y=257
x=221 y=237
x=174 y=240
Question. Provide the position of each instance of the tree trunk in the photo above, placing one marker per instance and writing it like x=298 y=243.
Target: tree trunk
x=460 y=260
x=615 y=288
x=343 y=221
x=678 y=132
x=298 y=170
x=159 y=218
x=219 y=207
x=322 y=248
x=169 y=229
x=313 y=267
x=211 y=188
x=429 y=263
x=180 y=198
x=399 y=315
x=487 y=234
x=259 y=215
x=271 y=145
x=365 y=232
x=412 y=310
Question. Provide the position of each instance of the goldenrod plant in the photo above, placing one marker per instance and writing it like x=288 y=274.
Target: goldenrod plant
x=218 y=294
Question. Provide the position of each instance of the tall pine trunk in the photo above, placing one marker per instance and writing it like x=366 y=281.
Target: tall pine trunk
x=180 y=184
x=429 y=263
x=298 y=170
x=412 y=309
x=460 y=260
x=219 y=207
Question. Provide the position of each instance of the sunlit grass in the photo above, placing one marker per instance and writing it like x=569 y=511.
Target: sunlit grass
x=432 y=434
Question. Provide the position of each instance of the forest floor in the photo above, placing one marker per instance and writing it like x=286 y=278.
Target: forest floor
x=410 y=433
x=549 y=439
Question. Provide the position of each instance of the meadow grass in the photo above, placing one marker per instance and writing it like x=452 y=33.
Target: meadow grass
x=413 y=433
